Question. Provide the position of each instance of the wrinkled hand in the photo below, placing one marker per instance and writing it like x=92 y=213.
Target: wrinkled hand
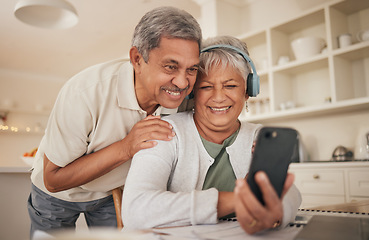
x=251 y=214
x=144 y=132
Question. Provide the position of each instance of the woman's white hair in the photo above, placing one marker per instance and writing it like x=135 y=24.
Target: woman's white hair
x=224 y=57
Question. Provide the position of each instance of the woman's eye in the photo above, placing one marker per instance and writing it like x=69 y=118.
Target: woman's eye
x=230 y=86
x=205 y=87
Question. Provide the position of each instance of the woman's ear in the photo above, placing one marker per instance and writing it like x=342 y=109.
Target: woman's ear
x=135 y=58
x=246 y=96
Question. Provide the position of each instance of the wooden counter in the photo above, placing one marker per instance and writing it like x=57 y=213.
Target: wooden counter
x=353 y=207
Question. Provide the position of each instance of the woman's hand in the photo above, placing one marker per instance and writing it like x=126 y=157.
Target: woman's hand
x=251 y=214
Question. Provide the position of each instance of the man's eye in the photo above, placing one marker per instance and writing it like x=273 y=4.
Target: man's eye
x=171 y=67
x=192 y=71
x=205 y=87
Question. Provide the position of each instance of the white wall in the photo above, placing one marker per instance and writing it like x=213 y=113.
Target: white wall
x=262 y=14
x=322 y=134
x=28 y=99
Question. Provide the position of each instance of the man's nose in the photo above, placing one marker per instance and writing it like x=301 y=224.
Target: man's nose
x=181 y=80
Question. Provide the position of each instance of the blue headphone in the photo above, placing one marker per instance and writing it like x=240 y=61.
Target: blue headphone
x=253 y=80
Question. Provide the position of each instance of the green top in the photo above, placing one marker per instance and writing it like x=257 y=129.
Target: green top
x=220 y=175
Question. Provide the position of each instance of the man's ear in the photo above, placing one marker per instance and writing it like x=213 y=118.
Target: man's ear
x=135 y=58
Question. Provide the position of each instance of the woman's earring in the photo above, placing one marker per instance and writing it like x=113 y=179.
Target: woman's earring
x=247 y=107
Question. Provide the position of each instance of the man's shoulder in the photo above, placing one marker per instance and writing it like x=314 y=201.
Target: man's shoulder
x=103 y=69
x=95 y=74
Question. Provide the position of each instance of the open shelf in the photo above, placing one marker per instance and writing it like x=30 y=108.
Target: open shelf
x=334 y=80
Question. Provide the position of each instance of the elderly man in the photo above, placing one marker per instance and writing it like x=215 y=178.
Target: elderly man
x=107 y=113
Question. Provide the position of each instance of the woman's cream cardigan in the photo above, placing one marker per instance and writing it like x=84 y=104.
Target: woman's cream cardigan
x=164 y=184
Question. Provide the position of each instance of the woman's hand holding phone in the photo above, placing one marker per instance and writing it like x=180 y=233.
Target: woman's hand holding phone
x=252 y=215
x=258 y=200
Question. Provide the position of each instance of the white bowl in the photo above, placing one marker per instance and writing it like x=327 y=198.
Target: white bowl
x=363 y=35
x=28 y=160
x=307 y=47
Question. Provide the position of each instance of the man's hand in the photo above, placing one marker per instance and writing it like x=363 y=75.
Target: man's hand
x=143 y=134
x=251 y=214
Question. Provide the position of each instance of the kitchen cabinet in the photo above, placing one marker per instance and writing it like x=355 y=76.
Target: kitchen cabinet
x=324 y=183
x=335 y=80
x=15 y=186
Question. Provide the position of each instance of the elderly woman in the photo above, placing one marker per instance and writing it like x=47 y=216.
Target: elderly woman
x=190 y=179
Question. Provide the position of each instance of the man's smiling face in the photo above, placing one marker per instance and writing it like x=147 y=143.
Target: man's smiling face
x=169 y=75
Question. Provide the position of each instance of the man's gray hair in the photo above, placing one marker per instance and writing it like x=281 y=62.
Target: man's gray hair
x=166 y=22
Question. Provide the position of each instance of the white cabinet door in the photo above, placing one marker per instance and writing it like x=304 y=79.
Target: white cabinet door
x=359 y=183
x=310 y=200
x=326 y=182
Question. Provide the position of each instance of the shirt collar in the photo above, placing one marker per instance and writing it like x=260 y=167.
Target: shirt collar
x=125 y=88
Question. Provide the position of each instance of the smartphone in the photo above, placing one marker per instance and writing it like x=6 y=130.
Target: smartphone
x=275 y=149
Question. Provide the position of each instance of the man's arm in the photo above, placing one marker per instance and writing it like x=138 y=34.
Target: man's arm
x=94 y=165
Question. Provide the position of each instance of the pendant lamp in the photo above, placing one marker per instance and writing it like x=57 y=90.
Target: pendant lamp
x=53 y=14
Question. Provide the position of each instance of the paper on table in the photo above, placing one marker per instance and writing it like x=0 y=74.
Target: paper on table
x=229 y=230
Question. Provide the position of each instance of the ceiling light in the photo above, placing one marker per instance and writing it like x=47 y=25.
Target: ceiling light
x=46 y=13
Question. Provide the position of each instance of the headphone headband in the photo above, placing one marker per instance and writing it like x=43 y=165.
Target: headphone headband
x=253 y=80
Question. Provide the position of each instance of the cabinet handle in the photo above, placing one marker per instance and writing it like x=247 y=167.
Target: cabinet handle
x=316 y=176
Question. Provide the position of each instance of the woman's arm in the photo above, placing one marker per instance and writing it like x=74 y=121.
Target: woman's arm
x=148 y=203
x=225 y=204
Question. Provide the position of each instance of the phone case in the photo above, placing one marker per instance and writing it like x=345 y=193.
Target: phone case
x=274 y=150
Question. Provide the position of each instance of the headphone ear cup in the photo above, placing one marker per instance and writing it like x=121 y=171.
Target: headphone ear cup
x=190 y=96
x=253 y=85
x=249 y=89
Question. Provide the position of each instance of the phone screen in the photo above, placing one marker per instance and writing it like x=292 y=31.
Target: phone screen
x=274 y=150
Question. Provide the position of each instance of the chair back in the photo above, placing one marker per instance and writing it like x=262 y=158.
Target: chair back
x=117 y=197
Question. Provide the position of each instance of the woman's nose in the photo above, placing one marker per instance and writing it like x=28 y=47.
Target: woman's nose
x=219 y=95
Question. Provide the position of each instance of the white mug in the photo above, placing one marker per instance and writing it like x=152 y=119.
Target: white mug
x=361 y=147
x=283 y=60
x=344 y=40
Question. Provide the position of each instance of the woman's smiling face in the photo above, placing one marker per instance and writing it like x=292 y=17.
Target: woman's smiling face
x=219 y=99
